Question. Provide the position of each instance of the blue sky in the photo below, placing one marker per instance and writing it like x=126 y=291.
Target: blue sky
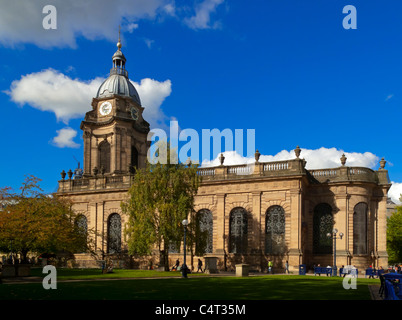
x=287 y=69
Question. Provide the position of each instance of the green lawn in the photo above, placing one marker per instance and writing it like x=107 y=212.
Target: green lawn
x=85 y=274
x=196 y=287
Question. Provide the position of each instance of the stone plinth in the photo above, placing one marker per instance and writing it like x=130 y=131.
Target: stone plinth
x=23 y=270
x=211 y=264
x=8 y=271
x=242 y=270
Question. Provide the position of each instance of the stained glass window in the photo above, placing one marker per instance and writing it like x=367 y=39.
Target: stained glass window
x=322 y=224
x=238 y=231
x=205 y=229
x=275 y=230
x=81 y=224
x=114 y=234
x=360 y=229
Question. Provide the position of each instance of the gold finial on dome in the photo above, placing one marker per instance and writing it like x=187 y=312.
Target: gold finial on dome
x=119 y=43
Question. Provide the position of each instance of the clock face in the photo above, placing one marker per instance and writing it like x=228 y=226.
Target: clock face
x=105 y=108
x=134 y=113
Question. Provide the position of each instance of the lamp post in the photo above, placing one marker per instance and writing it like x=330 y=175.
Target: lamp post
x=334 y=237
x=184 y=267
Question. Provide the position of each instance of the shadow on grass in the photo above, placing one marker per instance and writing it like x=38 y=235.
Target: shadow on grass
x=194 y=288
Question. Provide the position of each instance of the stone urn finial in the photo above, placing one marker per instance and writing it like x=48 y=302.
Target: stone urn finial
x=95 y=170
x=63 y=174
x=257 y=155
x=297 y=151
x=222 y=159
x=70 y=174
x=102 y=170
x=343 y=159
x=382 y=163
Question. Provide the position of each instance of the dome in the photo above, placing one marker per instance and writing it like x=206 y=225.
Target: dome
x=118 y=82
x=120 y=85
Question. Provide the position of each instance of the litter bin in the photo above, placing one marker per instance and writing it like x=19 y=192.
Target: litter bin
x=302 y=270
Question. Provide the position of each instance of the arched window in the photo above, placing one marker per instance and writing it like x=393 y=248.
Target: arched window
x=114 y=233
x=323 y=223
x=238 y=231
x=275 y=230
x=204 y=231
x=134 y=157
x=360 y=228
x=81 y=224
x=104 y=156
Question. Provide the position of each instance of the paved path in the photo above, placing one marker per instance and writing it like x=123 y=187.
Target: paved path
x=374 y=289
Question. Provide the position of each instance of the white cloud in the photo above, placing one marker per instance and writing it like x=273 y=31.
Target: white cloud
x=202 y=17
x=170 y=9
x=316 y=159
x=50 y=90
x=395 y=192
x=149 y=43
x=152 y=94
x=64 y=138
x=21 y=21
x=131 y=27
x=389 y=97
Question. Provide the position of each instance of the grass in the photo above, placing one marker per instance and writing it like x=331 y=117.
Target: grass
x=196 y=287
x=85 y=274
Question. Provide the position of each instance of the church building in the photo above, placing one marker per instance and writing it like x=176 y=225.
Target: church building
x=277 y=211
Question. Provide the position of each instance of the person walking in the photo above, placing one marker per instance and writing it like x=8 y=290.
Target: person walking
x=269 y=266
x=176 y=266
x=287 y=267
x=199 y=265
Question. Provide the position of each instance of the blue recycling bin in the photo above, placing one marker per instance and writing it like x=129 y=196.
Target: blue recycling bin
x=302 y=270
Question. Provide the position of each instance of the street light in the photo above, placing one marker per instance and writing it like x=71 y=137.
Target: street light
x=184 y=267
x=334 y=237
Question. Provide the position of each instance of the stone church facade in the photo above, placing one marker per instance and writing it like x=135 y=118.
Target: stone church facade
x=277 y=211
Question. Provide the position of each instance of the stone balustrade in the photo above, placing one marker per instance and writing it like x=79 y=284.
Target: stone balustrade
x=234 y=172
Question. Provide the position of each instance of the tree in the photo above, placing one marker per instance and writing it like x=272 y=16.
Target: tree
x=32 y=221
x=160 y=198
x=394 y=236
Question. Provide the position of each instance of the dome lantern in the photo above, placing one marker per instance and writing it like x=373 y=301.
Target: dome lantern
x=118 y=82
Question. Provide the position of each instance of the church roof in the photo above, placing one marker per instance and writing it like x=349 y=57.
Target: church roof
x=118 y=82
x=120 y=85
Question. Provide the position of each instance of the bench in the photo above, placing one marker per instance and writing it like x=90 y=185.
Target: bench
x=324 y=270
x=372 y=272
x=348 y=271
x=390 y=291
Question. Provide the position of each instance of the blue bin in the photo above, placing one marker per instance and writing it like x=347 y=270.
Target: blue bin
x=302 y=270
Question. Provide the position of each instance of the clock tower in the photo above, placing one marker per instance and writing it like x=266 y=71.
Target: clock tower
x=114 y=131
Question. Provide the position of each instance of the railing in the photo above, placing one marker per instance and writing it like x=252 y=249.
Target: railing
x=206 y=171
x=119 y=71
x=324 y=173
x=240 y=169
x=80 y=182
x=360 y=170
x=95 y=183
x=245 y=171
x=274 y=166
x=114 y=179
